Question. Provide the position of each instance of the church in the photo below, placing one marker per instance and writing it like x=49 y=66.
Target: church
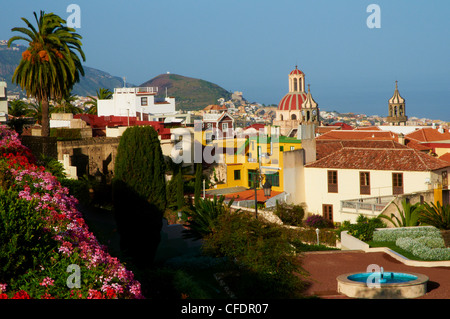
x=297 y=106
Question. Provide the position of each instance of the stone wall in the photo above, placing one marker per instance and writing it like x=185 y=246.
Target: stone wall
x=91 y=156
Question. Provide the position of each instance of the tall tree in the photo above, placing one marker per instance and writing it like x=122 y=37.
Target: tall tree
x=139 y=193
x=50 y=66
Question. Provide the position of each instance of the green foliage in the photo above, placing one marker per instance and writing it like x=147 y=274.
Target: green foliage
x=140 y=164
x=409 y=215
x=202 y=217
x=318 y=221
x=392 y=234
x=52 y=165
x=290 y=215
x=24 y=241
x=66 y=134
x=267 y=259
x=363 y=229
x=50 y=66
x=139 y=193
x=435 y=215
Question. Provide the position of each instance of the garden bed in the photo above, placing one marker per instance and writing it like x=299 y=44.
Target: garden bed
x=423 y=243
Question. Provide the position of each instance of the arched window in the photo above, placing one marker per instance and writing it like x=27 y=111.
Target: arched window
x=281 y=117
x=293 y=117
x=295 y=85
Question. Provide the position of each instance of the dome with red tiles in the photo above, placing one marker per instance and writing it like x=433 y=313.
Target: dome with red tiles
x=292 y=101
x=296 y=71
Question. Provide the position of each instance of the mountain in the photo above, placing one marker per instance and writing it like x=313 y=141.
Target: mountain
x=92 y=80
x=189 y=93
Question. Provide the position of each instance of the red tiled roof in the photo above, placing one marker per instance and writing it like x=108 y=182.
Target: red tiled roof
x=392 y=159
x=358 y=135
x=296 y=71
x=250 y=195
x=445 y=157
x=326 y=147
x=429 y=135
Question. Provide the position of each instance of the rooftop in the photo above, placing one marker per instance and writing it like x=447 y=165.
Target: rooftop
x=377 y=158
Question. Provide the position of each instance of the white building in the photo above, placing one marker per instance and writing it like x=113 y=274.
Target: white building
x=137 y=102
x=337 y=185
x=3 y=102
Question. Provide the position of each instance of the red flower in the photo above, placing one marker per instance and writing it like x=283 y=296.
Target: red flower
x=3 y=296
x=21 y=294
x=110 y=294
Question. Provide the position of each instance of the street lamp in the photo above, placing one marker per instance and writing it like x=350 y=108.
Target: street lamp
x=267 y=188
x=317 y=232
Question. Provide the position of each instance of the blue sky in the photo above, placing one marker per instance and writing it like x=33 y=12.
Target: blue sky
x=252 y=45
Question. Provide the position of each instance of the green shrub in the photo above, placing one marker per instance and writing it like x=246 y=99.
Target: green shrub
x=263 y=251
x=318 y=221
x=201 y=218
x=25 y=243
x=425 y=248
x=66 y=134
x=392 y=234
x=290 y=215
x=363 y=229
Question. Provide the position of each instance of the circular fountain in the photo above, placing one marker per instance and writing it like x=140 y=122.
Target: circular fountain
x=382 y=285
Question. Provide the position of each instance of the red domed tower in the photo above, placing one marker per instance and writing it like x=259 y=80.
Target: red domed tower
x=291 y=109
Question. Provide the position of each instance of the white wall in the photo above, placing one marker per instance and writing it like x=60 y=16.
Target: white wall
x=316 y=188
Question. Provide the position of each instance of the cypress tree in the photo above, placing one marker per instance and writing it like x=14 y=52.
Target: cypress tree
x=139 y=193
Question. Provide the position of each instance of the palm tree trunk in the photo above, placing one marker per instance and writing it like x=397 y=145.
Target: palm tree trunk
x=45 y=122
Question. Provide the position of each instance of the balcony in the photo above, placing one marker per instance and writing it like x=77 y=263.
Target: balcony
x=136 y=90
x=366 y=206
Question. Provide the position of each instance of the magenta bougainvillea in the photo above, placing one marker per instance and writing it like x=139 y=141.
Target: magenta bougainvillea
x=108 y=278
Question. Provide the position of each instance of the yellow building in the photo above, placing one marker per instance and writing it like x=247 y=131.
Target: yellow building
x=255 y=154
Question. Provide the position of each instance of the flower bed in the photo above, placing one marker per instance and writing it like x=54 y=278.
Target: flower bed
x=424 y=242
x=102 y=276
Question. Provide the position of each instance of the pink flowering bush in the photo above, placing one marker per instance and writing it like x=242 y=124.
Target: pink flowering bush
x=102 y=276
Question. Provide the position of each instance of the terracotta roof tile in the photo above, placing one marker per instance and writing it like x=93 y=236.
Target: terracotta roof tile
x=392 y=159
x=428 y=135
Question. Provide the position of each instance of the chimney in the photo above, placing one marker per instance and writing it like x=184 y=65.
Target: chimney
x=401 y=138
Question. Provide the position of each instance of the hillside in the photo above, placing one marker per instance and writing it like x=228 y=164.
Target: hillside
x=92 y=81
x=189 y=93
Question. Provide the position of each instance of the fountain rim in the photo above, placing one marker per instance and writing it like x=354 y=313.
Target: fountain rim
x=420 y=279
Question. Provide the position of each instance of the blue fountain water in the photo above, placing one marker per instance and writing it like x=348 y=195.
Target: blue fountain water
x=382 y=277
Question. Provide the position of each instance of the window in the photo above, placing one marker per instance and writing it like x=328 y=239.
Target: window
x=274 y=179
x=144 y=101
x=293 y=117
x=292 y=148
x=224 y=126
x=327 y=211
x=364 y=183
x=251 y=178
x=332 y=182
x=237 y=175
x=281 y=148
x=397 y=183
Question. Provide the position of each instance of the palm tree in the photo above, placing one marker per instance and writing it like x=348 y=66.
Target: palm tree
x=17 y=108
x=35 y=111
x=437 y=215
x=202 y=217
x=409 y=215
x=64 y=105
x=50 y=66
x=102 y=94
